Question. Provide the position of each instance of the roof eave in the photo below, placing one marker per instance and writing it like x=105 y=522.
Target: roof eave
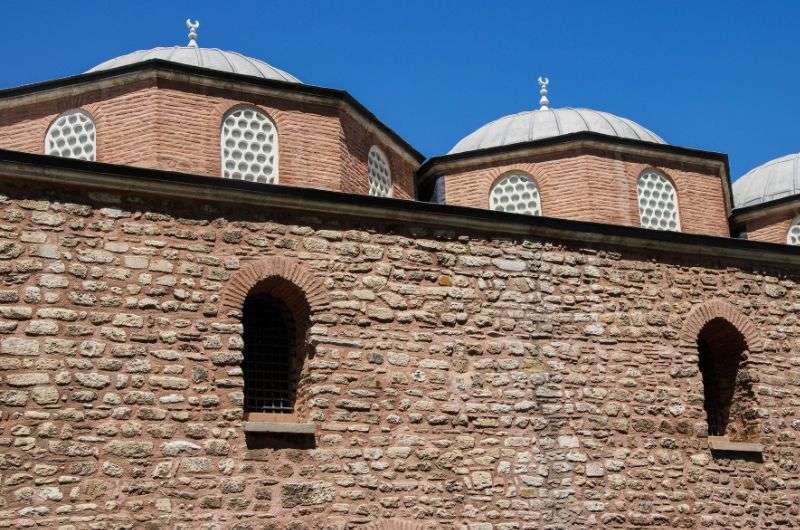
x=516 y=149
x=789 y=204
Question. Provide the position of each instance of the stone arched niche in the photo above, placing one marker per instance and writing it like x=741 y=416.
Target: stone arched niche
x=723 y=340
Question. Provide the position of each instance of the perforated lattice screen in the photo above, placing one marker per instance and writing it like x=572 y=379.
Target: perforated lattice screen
x=658 y=202
x=249 y=147
x=268 y=366
x=793 y=238
x=380 y=176
x=72 y=135
x=516 y=193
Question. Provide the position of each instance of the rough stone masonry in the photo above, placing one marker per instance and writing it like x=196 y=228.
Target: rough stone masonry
x=456 y=380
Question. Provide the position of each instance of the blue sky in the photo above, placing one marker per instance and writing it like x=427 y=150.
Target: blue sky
x=716 y=75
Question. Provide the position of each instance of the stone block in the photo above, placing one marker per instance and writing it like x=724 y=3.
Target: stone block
x=130 y=448
x=18 y=346
x=27 y=379
x=306 y=493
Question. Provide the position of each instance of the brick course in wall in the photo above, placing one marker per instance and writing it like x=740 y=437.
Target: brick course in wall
x=456 y=379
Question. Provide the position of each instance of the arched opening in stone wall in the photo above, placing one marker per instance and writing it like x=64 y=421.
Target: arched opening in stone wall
x=728 y=395
x=275 y=320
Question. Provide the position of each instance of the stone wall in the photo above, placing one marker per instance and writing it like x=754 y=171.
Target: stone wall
x=599 y=187
x=456 y=379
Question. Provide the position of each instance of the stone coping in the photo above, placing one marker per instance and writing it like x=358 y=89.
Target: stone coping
x=112 y=177
x=280 y=427
x=722 y=443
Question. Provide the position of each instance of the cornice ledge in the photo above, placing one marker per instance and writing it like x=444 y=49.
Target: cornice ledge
x=777 y=208
x=576 y=141
x=320 y=202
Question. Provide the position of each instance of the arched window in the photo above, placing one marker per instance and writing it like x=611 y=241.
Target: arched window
x=71 y=135
x=516 y=193
x=728 y=396
x=249 y=146
x=658 y=202
x=271 y=361
x=380 y=175
x=793 y=237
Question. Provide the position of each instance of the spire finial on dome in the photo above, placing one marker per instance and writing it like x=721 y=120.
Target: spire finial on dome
x=192 y=27
x=544 y=103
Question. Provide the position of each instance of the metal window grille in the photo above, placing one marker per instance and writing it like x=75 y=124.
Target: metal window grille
x=268 y=356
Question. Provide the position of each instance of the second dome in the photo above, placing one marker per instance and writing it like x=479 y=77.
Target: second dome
x=547 y=123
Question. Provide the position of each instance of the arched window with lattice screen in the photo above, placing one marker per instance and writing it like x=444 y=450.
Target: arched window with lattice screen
x=379 y=173
x=658 y=202
x=516 y=193
x=249 y=146
x=72 y=135
x=793 y=236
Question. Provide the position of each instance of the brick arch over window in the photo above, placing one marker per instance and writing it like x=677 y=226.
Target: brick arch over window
x=295 y=273
x=704 y=313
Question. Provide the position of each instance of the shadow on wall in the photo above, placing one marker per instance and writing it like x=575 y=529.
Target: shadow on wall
x=260 y=444
x=755 y=457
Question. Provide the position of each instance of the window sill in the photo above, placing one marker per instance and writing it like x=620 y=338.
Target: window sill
x=722 y=444
x=280 y=427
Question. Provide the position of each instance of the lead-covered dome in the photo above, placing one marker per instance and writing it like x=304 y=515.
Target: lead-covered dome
x=773 y=180
x=212 y=58
x=546 y=123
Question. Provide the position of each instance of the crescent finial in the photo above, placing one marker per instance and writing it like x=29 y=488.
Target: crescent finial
x=192 y=27
x=544 y=102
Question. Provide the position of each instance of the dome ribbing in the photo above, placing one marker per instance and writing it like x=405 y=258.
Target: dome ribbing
x=211 y=58
x=775 y=179
x=547 y=123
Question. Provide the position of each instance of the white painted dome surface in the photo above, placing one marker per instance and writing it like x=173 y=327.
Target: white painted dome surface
x=773 y=180
x=547 y=123
x=212 y=58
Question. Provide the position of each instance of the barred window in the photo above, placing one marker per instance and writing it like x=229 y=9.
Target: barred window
x=72 y=135
x=249 y=146
x=658 y=202
x=516 y=193
x=269 y=365
x=380 y=175
x=793 y=237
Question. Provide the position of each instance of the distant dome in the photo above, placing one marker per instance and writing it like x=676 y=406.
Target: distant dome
x=773 y=180
x=211 y=58
x=546 y=123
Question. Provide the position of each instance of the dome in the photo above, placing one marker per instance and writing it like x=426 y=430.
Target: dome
x=211 y=58
x=546 y=123
x=773 y=180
